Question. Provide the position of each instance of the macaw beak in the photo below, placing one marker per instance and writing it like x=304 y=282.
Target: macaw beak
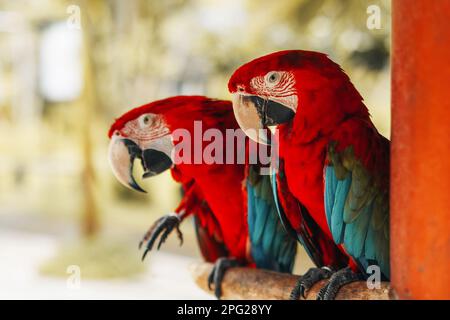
x=254 y=113
x=122 y=154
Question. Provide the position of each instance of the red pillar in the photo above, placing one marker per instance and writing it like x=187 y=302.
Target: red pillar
x=420 y=166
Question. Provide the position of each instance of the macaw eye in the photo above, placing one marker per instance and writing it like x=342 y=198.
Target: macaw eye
x=145 y=120
x=272 y=78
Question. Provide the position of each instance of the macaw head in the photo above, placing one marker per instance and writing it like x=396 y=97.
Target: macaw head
x=146 y=133
x=289 y=86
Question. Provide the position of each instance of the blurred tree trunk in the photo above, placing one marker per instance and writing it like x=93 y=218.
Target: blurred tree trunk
x=90 y=223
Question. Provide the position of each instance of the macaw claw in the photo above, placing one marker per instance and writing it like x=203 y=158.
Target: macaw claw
x=337 y=281
x=307 y=281
x=161 y=228
x=218 y=272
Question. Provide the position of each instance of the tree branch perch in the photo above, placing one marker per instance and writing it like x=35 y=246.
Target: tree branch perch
x=248 y=283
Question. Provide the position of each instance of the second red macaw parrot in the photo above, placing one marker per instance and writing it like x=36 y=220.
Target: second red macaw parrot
x=233 y=207
x=332 y=183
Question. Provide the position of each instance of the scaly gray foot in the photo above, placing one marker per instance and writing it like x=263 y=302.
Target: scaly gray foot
x=162 y=227
x=218 y=272
x=307 y=281
x=337 y=281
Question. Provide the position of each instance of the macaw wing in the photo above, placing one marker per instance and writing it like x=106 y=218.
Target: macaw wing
x=296 y=219
x=211 y=245
x=271 y=246
x=357 y=208
x=207 y=228
x=208 y=233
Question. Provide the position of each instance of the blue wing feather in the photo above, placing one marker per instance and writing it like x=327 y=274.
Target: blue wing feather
x=330 y=191
x=349 y=198
x=271 y=246
x=336 y=192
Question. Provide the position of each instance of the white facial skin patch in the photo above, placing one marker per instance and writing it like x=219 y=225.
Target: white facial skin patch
x=278 y=86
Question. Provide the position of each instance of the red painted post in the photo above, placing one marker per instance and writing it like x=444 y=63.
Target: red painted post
x=420 y=166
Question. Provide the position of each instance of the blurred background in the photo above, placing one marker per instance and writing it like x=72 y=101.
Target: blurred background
x=68 y=68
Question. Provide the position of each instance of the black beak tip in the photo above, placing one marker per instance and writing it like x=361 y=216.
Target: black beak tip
x=136 y=187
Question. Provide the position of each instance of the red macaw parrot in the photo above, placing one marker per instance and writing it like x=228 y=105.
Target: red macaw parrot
x=332 y=183
x=234 y=212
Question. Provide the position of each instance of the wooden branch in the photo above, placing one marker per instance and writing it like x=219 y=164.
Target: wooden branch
x=258 y=284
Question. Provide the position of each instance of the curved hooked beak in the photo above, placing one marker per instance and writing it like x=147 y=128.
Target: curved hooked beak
x=254 y=114
x=122 y=154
